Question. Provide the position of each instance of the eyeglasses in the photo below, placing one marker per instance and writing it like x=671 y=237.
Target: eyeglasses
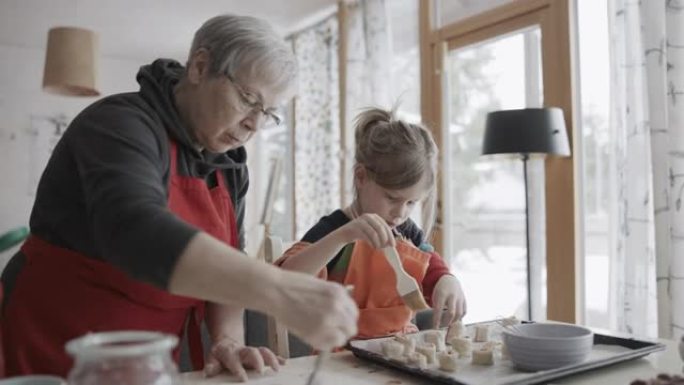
x=253 y=102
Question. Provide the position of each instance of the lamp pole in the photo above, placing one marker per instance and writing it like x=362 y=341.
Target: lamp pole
x=525 y=158
x=523 y=132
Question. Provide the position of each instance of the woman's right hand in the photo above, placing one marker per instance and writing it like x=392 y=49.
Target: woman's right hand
x=321 y=313
x=370 y=228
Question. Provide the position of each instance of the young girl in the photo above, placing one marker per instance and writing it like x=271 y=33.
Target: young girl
x=395 y=170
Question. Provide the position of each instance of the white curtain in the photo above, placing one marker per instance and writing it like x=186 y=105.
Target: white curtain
x=647 y=119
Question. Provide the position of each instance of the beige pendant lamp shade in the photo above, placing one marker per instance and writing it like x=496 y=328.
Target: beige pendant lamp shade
x=71 y=62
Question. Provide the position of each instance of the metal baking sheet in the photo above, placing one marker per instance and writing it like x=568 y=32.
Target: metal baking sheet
x=607 y=350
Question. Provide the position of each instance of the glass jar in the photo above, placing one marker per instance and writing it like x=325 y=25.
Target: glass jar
x=123 y=357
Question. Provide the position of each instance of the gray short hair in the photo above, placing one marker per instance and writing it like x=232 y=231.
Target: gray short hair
x=247 y=45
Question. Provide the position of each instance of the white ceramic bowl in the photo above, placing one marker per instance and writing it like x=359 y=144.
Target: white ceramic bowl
x=543 y=346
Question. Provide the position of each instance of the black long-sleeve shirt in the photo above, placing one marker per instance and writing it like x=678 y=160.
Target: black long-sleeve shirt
x=338 y=218
x=104 y=191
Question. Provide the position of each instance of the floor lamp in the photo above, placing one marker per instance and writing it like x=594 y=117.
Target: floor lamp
x=526 y=132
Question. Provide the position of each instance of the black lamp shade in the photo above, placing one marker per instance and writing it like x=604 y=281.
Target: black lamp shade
x=526 y=131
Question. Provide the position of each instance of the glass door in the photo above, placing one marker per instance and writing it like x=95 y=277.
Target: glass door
x=485 y=213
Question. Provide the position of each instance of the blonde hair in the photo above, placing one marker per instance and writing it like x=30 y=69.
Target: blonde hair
x=397 y=154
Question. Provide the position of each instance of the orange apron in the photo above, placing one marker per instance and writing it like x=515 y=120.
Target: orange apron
x=381 y=309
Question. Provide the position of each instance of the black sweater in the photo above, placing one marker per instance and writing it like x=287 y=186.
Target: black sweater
x=338 y=218
x=104 y=191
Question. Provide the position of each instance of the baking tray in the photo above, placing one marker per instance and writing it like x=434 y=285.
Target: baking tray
x=607 y=350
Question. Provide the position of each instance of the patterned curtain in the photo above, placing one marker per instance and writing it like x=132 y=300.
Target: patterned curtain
x=647 y=119
x=369 y=54
x=317 y=135
x=316 y=128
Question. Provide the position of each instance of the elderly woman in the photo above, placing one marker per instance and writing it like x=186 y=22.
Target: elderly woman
x=137 y=222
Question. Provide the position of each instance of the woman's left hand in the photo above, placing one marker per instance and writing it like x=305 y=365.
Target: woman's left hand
x=235 y=357
x=448 y=301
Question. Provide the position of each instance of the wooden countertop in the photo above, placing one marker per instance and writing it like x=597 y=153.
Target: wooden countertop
x=345 y=369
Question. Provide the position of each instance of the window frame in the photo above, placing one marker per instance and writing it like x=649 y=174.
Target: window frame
x=563 y=225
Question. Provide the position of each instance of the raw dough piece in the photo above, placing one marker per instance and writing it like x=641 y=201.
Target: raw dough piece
x=481 y=333
x=418 y=359
x=401 y=359
x=510 y=321
x=462 y=345
x=429 y=351
x=448 y=361
x=490 y=345
x=456 y=329
x=391 y=348
x=408 y=342
x=435 y=337
x=483 y=357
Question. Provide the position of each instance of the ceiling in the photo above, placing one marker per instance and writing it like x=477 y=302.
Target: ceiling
x=144 y=29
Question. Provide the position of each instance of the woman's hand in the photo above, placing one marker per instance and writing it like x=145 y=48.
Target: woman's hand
x=235 y=357
x=448 y=301
x=321 y=313
x=370 y=228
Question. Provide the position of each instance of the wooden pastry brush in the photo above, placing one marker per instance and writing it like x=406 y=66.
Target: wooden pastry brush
x=406 y=285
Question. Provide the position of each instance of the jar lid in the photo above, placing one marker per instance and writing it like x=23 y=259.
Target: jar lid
x=125 y=343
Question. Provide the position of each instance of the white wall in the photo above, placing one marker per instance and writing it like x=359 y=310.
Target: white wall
x=21 y=72
x=21 y=96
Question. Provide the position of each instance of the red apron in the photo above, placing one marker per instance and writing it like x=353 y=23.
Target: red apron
x=61 y=294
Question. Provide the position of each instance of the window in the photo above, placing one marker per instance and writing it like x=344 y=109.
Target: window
x=486 y=196
x=594 y=93
x=538 y=32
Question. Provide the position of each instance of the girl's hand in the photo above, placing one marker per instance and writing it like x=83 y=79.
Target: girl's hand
x=448 y=301
x=235 y=357
x=370 y=228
